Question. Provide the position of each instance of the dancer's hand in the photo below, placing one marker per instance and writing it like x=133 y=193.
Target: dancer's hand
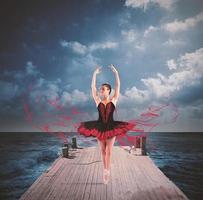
x=113 y=68
x=97 y=70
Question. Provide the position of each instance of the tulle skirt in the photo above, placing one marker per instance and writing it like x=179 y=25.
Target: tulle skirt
x=104 y=131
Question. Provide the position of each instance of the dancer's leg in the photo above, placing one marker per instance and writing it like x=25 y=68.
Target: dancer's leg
x=109 y=147
x=102 y=145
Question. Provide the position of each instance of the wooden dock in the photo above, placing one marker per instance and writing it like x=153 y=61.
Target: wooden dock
x=80 y=177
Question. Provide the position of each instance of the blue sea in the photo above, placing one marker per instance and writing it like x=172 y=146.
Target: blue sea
x=25 y=156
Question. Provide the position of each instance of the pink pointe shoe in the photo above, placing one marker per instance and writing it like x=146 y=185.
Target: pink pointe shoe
x=106 y=174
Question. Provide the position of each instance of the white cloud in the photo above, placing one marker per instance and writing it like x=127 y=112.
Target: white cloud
x=149 y=30
x=87 y=60
x=166 y=4
x=171 y=64
x=76 y=97
x=137 y=3
x=44 y=89
x=132 y=37
x=174 y=27
x=75 y=46
x=83 y=49
x=177 y=26
x=105 y=45
x=136 y=95
x=40 y=82
x=31 y=69
x=192 y=61
x=188 y=72
x=174 y=43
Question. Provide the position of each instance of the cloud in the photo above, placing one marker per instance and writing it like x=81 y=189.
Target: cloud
x=8 y=90
x=47 y=91
x=150 y=30
x=177 y=26
x=17 y=80
x=192 y=61
x=141 y=40
x=83 y=49
x=37 y=88
x=130 y=35
x=31 y=69
x=173 y=43
x=136 y=95
x=188 y=73
x=133 y=38
x=171 y=64
x=196 y=111
x=75 y=46
x=75 y=97
x=105 y=45
x=166 y=4
x=87 y=60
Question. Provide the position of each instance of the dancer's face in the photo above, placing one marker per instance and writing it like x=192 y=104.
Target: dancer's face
x=104 y=91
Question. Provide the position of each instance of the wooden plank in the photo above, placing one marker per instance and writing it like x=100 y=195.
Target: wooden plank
x=82 y=181
x=136 y=180
x=60 y=185
x=109 y=185
x=131 y=177
x=130 y=184
x=121 y=181
x=95 y=175
x=160 y=185
x=133 y=167
x=89 y=175
x=100 y=190
x=38 y=186
x=52 y=186
x=162 y=182
x=99 y=181
x=79 y=174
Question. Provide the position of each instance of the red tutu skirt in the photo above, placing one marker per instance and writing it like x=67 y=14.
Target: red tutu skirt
x=104 y=131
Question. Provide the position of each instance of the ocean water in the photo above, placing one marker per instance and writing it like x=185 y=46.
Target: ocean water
x=180 y=157
x=25 y=156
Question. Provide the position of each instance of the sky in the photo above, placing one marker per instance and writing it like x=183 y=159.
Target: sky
x=156 y=46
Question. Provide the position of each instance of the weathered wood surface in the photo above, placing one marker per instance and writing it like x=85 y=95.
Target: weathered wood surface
x=132 y=177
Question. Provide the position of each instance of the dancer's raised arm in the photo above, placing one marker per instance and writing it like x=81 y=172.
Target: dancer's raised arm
x=93 y=85
x=117 y=83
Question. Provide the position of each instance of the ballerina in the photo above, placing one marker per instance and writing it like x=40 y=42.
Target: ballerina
x=105 y=128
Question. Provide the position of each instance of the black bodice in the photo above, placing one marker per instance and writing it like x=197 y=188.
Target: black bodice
x=106 y=112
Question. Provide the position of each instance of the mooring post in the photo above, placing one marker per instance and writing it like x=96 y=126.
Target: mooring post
x=74 y=143
x=140 y=146
x=143 y=145
x=65 y=149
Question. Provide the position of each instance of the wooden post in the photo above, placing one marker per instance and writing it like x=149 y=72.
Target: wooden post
x=137 y=142
x=74 y=143
x=140 y=146
x=65 y=152
x=143 y=145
